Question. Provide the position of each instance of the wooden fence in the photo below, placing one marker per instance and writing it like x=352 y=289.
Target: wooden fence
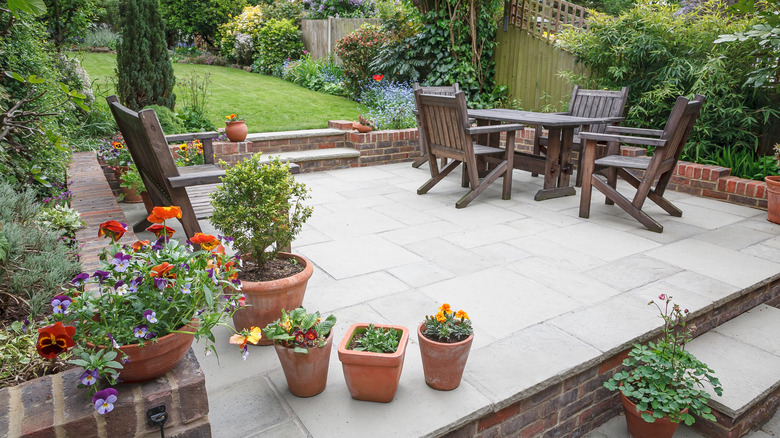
x=320 y=36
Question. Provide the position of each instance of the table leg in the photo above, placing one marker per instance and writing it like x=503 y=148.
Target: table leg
x=553 y=169
x=567 y=139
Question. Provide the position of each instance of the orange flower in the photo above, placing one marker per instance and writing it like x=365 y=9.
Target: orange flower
x=113 y=229
x=462 y=315
x=440 y=317
x=240 y=339
x=160 y=214
x=206 y=241
x=233 y=276
x=159 y=229
x=162 y=270
x=445 y=308
x=140 y=244
x=218 y=250
x=55 y=339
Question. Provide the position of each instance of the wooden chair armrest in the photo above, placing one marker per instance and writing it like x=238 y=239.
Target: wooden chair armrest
x=195 y=179
x=491 y=129
x=638 y=131
x=645 y=141
x=191 y=136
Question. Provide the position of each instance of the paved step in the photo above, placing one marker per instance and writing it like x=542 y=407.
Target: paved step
x=303 y=133
x=314 y=155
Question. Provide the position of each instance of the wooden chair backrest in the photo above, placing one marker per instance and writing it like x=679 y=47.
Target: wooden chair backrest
x=677 y=130
x=147 y=145
x=438 y=91
x=444 y=120
x=597 y=103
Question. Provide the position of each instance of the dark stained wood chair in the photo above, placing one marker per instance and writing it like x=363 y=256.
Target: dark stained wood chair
x=448 y=134
x=668 y=144
x=587 y=103
x=165 y=182
x=436 y=91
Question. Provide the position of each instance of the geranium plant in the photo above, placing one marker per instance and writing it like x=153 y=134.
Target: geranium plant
x=662 y=378
x=233 y=118
x=144 y=291
x=447 y=326
x=300 y=330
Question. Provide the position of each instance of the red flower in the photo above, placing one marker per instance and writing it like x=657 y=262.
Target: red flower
x=55 y=339
x=158 y=230
x=162 y=270
x=160 y=214
x=113 y=229
x=140 y=244
x=311 y=335
x=378 y=77
x=206 y=241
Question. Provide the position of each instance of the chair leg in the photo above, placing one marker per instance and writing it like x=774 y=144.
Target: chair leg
x=420 y=161
x=611 y=174
x=629 y=207
x=492 y=176
x=438 y=177
x=589 y=156
x=510 y=155
x=653 y=195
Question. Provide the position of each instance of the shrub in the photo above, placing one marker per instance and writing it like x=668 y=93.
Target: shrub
x=278 y=40
x=102 y=36
x=287 y=9
x=322 y=9
x=168 y=121
x=356 y=51
x=390 y=105
x=401 y=57
x=201 y=17
x=315 y=74
x=249 y=22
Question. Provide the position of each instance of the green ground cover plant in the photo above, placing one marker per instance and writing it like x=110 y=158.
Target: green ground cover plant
x=267 y=103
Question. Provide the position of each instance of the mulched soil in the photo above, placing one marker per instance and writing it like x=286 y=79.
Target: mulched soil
x=273 y=270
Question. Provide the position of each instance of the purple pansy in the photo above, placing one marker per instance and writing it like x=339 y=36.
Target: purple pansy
x=80 y=279
x=60 y=303
x=150 y=335
x=139 y=331
x=89 y=377
x=161 y=283
x=25 y=324
x=104 y=400
x=121 y=262
x=132 y=287
x=121 y=288
x=245 y=352
x=101 y=276
x=113 y=341
x=150 y=316
x=186 y=288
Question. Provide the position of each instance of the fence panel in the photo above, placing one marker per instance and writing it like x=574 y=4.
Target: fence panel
x=320 y=36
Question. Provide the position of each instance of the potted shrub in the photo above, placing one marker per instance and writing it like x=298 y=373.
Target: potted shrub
x=303 y=342
x=260 y=204
x=661 y=385
x=445 y=342
x=235 y=128
x=151 y=300
x=372 y=358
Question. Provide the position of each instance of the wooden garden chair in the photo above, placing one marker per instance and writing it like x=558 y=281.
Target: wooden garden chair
x=448 y=134
x=668 y=144
x=436 y=91
x=587 y=103
x=165 y=182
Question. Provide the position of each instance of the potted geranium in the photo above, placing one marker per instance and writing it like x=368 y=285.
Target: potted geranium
x=303 y=342
x=445 y=342
x=235 y=128
x=260 y=204
x=372 y=358
x=662 y=383
x=149 y=301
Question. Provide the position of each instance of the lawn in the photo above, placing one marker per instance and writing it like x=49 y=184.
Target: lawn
x=266 y=102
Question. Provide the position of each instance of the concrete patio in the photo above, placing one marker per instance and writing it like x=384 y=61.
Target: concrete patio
x=548 y=293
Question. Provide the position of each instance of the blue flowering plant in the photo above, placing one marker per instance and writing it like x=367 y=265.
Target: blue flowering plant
x=142 y=292
x=389 y=105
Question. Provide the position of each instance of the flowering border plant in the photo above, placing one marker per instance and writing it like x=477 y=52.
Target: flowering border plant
x=662 y=377
x=447 y=326
x=190 y=154
x=300 y=330
x=114 y=152
x=233 y=118
x=144 y=291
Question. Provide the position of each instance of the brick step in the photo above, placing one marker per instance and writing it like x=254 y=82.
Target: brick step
x=745 y=354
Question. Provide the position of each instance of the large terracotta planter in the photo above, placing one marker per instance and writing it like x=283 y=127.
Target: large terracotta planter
x=773 y=198
x=306 y=374
x=236 y=131
x=639 y=428
x=154 y=359
x=443 y=363
x=372 y=376
x=266 y=299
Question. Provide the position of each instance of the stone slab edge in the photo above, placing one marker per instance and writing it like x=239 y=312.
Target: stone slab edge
x=304 y=133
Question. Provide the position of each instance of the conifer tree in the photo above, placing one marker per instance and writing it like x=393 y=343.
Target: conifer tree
x=143 y=67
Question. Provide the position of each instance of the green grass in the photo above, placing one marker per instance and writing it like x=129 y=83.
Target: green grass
x=266 y=102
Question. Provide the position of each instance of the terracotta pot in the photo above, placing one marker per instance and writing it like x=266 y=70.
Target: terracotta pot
x=361 y=127
x=266 y=299
x=639 y=428
x=119 y=171
x=443 y=363
x=148 y=204
x=131 y=197
x=372 y=376
x=154 y=359
x=773 y=198
x=306 y=374
x=236 y=131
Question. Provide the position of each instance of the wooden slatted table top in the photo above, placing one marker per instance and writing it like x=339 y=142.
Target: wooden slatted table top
x=534 y=118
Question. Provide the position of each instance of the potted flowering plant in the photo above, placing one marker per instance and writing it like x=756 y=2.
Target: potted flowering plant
x=261 y=205
x=773 y=192
x=372 y=358
x=445 y=342
x=115 y=155
x=147 y=302
x=303 y=342
x=661 y=385
x=235 y=128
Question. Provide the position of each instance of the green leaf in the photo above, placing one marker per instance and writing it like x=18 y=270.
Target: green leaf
x=35 y=79
x=34 y=7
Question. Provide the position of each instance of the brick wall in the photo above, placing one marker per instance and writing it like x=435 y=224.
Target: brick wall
x=53 y=406
x=579 y=403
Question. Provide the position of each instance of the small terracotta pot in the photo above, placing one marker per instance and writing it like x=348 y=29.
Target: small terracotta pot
x=639 y=428
x=372 y=376
x=361 y=127
x=306 y=374
x=773 y=198
x=443 y=363
x=266 y=299
x=236 y=131
x=154 y=359
x=131 y=197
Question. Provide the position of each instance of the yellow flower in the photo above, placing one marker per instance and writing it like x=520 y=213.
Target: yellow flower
x=440 y=317
x=445 y=308
x=462 y=315
x=183 y=147
x=254 y=335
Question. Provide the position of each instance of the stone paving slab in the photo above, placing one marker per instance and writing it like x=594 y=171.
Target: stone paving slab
x=548 y=292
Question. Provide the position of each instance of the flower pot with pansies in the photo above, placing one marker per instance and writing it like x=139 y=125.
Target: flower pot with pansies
x=261 y=205
x=134 y=318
